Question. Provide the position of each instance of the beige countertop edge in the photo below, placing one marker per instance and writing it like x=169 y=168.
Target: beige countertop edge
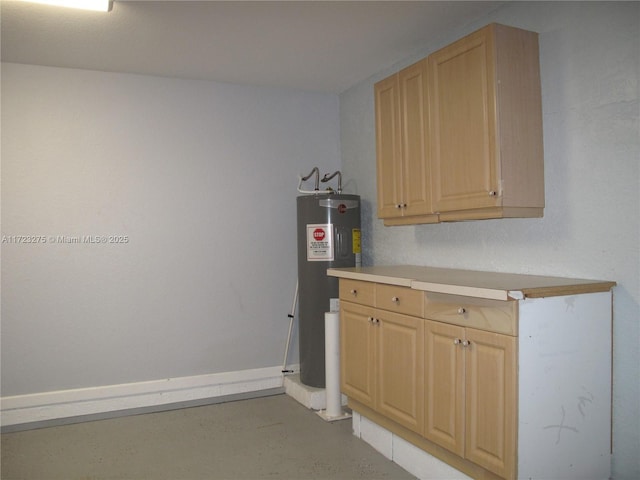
x=370 y=277
x=405 y=276
x=466 y=291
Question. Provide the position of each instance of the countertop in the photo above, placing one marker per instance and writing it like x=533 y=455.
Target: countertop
x=493 y=285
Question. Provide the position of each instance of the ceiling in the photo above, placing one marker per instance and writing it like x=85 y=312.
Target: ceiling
x=307 y=45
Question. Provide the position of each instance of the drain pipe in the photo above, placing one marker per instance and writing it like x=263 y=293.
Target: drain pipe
x=334 y=410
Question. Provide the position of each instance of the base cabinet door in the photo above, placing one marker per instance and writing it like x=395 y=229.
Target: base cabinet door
x=470 y=395
x=400 y=364
x=490 y=397
x=357 y=353
x=444 y=386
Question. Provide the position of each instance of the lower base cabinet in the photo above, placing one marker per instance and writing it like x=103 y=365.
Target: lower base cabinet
x=496 y=388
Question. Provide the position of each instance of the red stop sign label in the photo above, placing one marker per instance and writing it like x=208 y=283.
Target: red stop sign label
x=318 y=234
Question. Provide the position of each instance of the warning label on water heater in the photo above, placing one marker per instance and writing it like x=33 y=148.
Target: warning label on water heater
x=319 y=242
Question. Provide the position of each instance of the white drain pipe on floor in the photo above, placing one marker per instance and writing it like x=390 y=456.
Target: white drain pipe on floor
x=332 y=369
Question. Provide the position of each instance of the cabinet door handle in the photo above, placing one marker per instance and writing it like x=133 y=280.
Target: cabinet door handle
x=395 y=299
x=370 y=320
x=466 y=343
x=493 y=193
x=457 y=341
x=462 y=311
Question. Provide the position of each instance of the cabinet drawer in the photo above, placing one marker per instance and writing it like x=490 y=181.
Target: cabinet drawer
x=400 y=299
x=481 y=313
x=356 y=291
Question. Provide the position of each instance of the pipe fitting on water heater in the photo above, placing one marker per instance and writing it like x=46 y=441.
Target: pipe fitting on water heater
x=326 y=178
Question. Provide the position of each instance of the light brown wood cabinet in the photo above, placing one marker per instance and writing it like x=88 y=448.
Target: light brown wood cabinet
x=464 y=125
x=453 y=385
x=498 y=375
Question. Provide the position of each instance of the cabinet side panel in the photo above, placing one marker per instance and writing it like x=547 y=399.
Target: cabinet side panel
x=565 y=387
x=519 y=117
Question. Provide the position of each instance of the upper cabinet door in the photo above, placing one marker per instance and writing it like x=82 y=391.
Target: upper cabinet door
x=415 y=146
x=465 y=165
x=388 y=147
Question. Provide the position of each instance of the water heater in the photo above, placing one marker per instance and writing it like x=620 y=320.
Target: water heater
x=328 y=237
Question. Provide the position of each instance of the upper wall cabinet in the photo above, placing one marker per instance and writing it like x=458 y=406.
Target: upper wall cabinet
x=473 y=142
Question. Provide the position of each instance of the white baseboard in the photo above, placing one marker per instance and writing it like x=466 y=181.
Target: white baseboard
x=39 y=407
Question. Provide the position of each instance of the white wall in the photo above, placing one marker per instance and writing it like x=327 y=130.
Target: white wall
x=589 y=54
x=200 y=177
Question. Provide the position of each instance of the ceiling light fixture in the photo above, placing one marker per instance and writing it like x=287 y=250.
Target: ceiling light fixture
x=97 y=5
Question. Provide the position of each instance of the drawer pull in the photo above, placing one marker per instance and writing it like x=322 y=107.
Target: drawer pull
x=354 y=292
x=462 y=311
x=395 y=299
